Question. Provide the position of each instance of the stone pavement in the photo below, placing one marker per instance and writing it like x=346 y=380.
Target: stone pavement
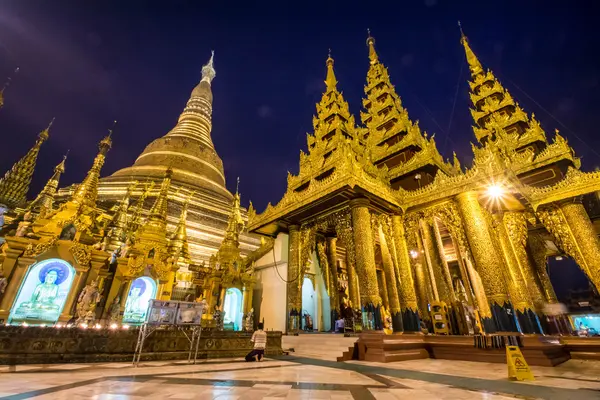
x=296 y=377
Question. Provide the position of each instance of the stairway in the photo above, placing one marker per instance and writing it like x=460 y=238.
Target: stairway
x=323 y=346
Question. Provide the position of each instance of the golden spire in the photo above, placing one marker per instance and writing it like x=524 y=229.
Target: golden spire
x=6 y=85
x=474 y=64
x=44 y=201
x=330 y=81
x=117 y=228
x=15 y=183
x=229 y=251
x=178 y=246
x=136 y=216
x=87 y=192
x=158 y=212
x=371 y=43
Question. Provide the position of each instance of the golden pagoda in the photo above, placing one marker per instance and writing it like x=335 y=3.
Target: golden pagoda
x=197 y=178
x=419 y=234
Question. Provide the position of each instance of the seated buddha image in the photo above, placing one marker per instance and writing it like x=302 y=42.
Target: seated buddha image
x=135 y=307
x=44 y=295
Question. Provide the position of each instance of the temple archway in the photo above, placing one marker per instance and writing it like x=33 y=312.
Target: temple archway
x=43 y=292
x=141 y=291
x=232 y=307
x=309 y=304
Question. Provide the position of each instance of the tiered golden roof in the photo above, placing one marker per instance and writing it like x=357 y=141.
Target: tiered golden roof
x=395 y=140
x=15 y=183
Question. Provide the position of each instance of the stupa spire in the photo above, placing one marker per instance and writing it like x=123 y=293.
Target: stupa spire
x=371 y=43
x=208 y=70
x=136 y=215
x=117 y=228
x=15 y=183
x=158 y=212
x=178 y=245
x=43 y=203
x=87 y=192
x=6 y=85
x=474 y=64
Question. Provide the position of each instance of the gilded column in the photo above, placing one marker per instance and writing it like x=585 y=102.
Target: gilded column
x=408 y=297
x=383 y=292
x=293 y=275
x=353 y=289
x=426 y=247
x=365 y=260
x=76 y=287
x=486 y=262
x=333 y=278
x=537 y=249
x=464 y=275
x=391 y=283
x=517 y=287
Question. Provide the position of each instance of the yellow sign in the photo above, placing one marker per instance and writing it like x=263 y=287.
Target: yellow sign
x=518 y=368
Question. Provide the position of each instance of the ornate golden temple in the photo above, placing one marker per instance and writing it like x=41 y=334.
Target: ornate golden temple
x=156 y=229
x=376 y=221
x=412 y=233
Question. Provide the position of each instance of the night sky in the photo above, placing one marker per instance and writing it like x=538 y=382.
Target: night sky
x=137 y=62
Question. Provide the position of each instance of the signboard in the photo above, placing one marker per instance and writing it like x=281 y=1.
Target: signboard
x=199 y=282
x=518 y=369
x=189 y=313
x=162 y=312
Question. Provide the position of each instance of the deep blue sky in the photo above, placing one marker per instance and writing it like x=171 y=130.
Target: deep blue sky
x=137 y=61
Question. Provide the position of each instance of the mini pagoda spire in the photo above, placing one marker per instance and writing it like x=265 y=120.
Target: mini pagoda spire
x=391 y=135
x=229 y=251
x=6 y=85
x=496 y=114
x=15 y=183
x=158 y=213
x=136 y=215
x=117 y=228
x=87 y=192
x=178 y=245
x=44 y=202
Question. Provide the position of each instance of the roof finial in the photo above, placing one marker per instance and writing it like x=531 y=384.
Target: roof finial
x=330 y=80
x=237 y=186
x=463 y=37
x=6 y=84
x=110 y=131
x=208 y=70
x=371 y=43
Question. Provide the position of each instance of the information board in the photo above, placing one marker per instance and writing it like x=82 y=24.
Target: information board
x=162 y=312
x=189 y=313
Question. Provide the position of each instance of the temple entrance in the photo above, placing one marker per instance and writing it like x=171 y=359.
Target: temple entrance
x=43 y=293
x=309 y=306
x=232 y=306
x=142 y=290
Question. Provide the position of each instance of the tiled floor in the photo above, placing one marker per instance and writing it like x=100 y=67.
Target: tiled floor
x=296 y=377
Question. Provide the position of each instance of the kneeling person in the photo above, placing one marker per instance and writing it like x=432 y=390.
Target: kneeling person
x=259 y=338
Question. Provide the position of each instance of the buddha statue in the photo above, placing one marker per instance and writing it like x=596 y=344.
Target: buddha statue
x=43 y=296
x=133 y=305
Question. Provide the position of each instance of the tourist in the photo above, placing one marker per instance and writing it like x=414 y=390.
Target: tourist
x=259 y=338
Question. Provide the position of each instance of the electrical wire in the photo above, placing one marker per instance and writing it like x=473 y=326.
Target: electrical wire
x=277 y=269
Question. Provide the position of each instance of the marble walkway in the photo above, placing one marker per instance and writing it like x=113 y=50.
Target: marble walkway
x=296 y=377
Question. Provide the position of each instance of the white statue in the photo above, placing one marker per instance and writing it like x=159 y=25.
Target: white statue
x=115 y=310
x=249 y=321
x=87 y=301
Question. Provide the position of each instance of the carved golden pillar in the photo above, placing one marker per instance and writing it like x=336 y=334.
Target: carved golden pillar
x=570 y=225
x=364 y=252
x=10 y=293
x=15 y=246
x=426 y=249
x=353 y=289
x=407 y=295
x=464 y=275
x=537 y=249
x=166 y=288
x=333 y=276
x=76 y=287
x=437 y=262
x=294 y=279
x=365 y=263
x=247 y=292
x=383 y=292
x=487 y=263
x=517 y=287
x=391 y=283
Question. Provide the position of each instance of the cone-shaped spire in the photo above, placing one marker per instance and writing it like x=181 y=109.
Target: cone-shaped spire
x=330 y=81
x=395 y=142
x=15 y=183
x=178 y=245
x=6 y=85
x=158 y=212
x=87 y=192
x=117 y=228
x=496 y=114
x=371 y=43
x=229 y=251
x=43 y=203
x=136 y=215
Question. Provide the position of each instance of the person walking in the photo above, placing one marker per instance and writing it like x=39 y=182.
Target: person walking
x=259 y=338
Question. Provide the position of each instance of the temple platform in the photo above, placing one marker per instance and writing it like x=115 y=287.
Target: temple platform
x=545 y=351
x=37 y=345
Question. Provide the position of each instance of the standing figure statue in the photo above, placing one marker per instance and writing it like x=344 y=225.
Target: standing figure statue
x=24 y=226
x=3 y=283
x=114 y=311
x=249 y=321
x=218 y=317
x=86 y=303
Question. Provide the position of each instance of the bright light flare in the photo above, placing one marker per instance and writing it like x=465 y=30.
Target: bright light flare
x=495 y=195
x=495 y=191
x=414 y=253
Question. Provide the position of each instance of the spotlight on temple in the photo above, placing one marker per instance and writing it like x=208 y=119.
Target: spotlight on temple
x=414 y=253
x=495 y=191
